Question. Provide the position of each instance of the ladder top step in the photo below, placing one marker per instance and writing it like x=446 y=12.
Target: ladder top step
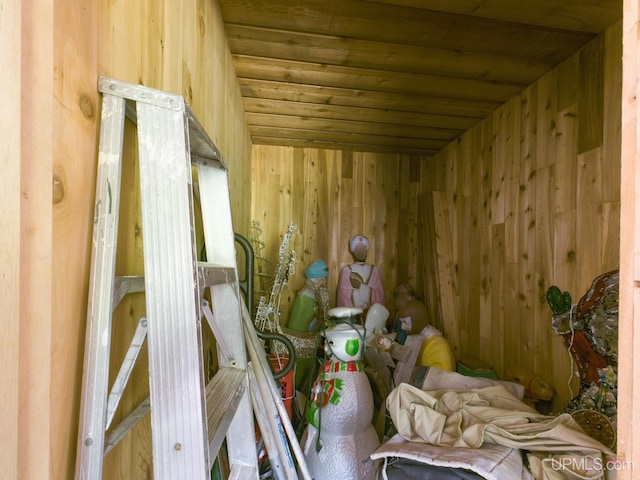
x=200 y=142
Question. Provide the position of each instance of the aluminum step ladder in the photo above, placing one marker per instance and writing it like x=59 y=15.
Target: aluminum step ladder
x=190 y=419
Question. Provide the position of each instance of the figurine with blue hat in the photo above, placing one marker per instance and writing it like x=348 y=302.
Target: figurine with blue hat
x=312 y=302
x=308 y=316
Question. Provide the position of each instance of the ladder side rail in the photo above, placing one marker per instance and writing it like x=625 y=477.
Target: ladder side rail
x=178 y=417
x=226 y=300
x=89 y=461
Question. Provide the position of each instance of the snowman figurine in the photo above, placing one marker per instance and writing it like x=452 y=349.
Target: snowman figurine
x=340 y=437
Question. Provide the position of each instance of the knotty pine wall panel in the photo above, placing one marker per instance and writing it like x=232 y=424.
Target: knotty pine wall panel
x=331 y=196
x=182 y=51
x=555 y=225
x=73 y=162
x=523 y=200
x=628 y=344
x=27 y=356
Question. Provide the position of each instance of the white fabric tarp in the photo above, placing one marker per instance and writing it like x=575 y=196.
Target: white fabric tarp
x=493 y=462
x=469 y=420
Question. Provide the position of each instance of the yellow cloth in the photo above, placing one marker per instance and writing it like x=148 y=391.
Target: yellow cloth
x=436 y=352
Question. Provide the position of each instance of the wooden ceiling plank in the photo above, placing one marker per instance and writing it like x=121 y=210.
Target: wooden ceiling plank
x=361 y=114
x=372 y=80
x=577 y=15
x=301 y=143
x=348 y=52
x=329 y=145
x=403 y=25
x=355 y=97
x=346 y=137
x=359 y=127
x=390 y=74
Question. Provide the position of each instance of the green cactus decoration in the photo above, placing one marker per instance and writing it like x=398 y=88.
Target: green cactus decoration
x=558 y=301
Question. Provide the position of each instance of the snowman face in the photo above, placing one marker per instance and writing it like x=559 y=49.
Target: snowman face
x=344 y=344
x=343 y=350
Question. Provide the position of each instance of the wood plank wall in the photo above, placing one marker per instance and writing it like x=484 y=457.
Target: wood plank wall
x=330 y=196
x=49 y=109
x=184 y=51
x=536 y=188
x=11 y=37
x=629 y=344
x=75 y=119
x=26 y=62
x=52 y=55
x=526 y=199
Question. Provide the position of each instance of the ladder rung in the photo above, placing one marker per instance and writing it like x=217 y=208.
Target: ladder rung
x=210 y=274
x=224 y=392
x=129 y=284
x=122 y=286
